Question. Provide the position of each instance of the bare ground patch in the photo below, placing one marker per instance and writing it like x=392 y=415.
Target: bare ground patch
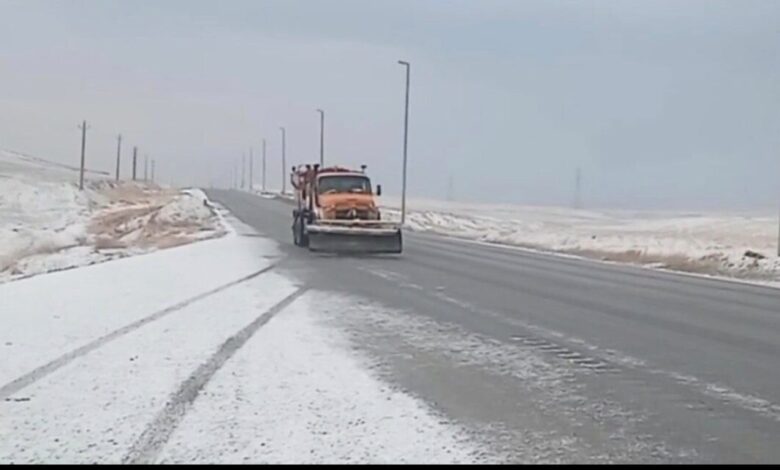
x=713 y=264
x=136 y=194
x=135 y=220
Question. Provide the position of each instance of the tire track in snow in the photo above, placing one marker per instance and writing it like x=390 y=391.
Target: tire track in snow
x=151 y=442
x=37 y=374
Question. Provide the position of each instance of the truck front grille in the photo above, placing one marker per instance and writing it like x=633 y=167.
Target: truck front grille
x=353 y=214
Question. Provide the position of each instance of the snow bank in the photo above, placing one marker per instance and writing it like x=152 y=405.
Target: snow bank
x=39 y=218
x=189 y=208
x=274 y=194
x=738 y=245
x=47 y=224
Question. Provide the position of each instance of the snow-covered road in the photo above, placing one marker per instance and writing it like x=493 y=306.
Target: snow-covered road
x=201 y=353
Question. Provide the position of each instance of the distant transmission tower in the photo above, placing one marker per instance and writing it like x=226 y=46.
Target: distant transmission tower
x=578 y=190
x=243 y=171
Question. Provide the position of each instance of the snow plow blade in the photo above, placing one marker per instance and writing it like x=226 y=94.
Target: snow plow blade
x=359 y=240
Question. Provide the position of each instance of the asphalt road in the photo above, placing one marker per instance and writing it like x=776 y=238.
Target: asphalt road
x=553 y=359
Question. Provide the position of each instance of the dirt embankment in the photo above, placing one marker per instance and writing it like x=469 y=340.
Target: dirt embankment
x=147 y=218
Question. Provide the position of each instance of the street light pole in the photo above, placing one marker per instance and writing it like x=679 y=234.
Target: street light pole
x=251 y=169
x=284 y=160
x=322 y=137
x=406 y=141
x=243 y=171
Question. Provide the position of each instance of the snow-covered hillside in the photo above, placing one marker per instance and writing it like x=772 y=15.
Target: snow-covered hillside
x=47 y=224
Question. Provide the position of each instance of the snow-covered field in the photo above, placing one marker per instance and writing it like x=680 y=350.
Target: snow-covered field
x=47 y=224
x=725 y=244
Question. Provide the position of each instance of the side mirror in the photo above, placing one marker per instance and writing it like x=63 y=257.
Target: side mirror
x=379 y=190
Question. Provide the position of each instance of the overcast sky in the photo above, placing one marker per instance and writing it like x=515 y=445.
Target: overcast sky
x=663 y=104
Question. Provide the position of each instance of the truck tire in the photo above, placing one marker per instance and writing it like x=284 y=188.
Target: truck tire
x=300 y=237
x=296 y=230
x=303 y=237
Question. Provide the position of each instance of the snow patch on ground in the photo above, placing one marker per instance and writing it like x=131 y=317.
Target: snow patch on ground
x=47 y=316
x=92 y=410
x=274 y=194
x=296 y=394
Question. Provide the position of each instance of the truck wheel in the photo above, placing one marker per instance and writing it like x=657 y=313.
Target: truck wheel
x=296 y=231
x=303 y=237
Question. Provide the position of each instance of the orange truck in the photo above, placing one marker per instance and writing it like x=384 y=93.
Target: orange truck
x=336 y=211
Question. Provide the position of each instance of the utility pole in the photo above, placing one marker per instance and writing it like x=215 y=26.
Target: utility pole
x=118 y=151
x=406 y=141
x=263 y=165
x=135 y=161
x=284 y=160
x=146 y=168
x=322 y=137
x=578 y=190
x=83 y=128
x=152 y=170
x=251 y=168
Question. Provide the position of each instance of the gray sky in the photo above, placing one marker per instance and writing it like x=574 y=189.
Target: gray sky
x=663 y=104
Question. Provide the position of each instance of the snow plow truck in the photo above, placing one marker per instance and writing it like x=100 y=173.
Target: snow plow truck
x=336 y=212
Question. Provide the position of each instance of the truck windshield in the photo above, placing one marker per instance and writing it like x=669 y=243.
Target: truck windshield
x=344 y=184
